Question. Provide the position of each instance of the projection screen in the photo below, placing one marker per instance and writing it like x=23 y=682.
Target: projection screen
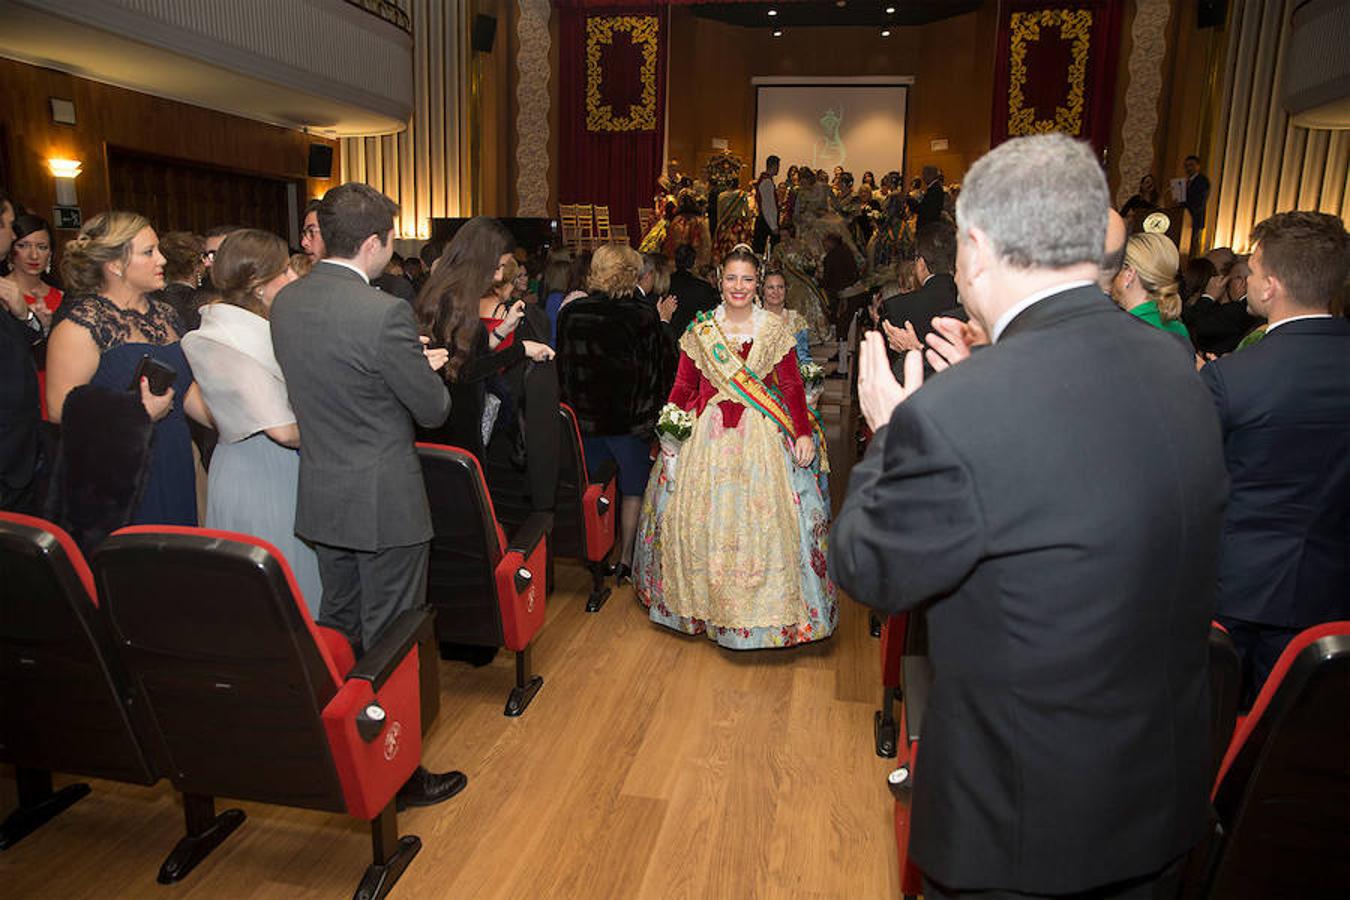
x=857 y=123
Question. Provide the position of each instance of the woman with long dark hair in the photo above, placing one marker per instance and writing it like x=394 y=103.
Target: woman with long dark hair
x=494 y=353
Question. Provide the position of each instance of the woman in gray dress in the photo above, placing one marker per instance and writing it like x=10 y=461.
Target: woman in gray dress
x=252 y=483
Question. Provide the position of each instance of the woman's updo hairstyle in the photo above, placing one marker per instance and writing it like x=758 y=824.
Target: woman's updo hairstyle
x=245 y=261
x=105 y=238
x=614 y=270
x=1155 y=261
x=182 y=252
x=741 y=253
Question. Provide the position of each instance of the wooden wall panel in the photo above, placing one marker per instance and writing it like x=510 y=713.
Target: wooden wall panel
x=952 y=62
x=114 y=117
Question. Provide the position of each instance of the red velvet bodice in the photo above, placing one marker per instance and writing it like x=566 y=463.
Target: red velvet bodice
x=693 y=390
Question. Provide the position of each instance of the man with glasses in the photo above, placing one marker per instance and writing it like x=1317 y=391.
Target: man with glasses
x=311 y=239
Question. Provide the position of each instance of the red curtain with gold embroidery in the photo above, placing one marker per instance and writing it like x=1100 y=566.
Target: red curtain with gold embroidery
x=1056 y=69
x=613 y=107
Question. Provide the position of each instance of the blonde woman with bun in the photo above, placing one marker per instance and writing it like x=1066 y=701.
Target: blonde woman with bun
x=109 y=324
x=1146 y=285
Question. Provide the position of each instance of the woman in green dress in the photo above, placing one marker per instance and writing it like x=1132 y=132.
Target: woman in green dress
x=1146 y=285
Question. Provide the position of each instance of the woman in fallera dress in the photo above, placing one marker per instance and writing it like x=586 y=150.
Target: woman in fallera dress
x=732 y=538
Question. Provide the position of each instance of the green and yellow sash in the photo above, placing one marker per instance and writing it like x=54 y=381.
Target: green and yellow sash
x=731 y=376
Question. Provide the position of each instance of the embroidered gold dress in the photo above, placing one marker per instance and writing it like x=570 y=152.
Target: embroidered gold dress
x=732 y=537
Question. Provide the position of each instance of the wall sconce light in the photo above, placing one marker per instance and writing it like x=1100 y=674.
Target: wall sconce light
x=65 y=171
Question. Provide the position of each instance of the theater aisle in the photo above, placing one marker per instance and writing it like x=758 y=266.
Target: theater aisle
x=650 y=765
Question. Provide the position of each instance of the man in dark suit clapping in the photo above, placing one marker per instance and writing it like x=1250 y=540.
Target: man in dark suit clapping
x=359 y=377
x=1284 y=405
x=1054 y=502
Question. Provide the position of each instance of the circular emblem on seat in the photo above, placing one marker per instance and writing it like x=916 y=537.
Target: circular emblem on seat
x=391 y=740
x=1157 y=223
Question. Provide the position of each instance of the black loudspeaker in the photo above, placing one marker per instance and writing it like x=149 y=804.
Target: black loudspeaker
x=320 y=161
x=484 y=33
x=1210 y=13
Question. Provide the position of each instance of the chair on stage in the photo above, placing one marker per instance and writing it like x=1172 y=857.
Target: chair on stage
x=584 y=511
x=68 y=705
x=602 y=230
x=567 y=222
x=486 y=590
x=646 y=218
x=1282 y=795
x=619 y=235
x=248 y=698
x=585 y=232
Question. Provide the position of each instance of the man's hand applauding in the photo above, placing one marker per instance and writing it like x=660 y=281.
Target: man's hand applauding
x=878 y=391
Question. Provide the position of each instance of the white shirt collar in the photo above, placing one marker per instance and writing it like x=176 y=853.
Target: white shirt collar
x=1017 y=308
x=347 y=265
x=931 y=276
x=1273 y=325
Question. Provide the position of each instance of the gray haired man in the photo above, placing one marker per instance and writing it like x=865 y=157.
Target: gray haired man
x=1053 y=504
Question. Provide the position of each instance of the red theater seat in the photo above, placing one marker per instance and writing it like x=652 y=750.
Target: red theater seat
x=66 y=704
x=248 y=698
x=583 y=516
x=884 y=729
x=486 y=591
x=1282 y=795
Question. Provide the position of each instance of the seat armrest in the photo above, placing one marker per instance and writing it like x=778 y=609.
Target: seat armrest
x=918 y=678
x=605 y=473
x=380 y=661
x=530 y=533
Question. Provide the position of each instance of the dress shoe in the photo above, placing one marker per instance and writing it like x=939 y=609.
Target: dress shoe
x=428 y=788
x=623 y=574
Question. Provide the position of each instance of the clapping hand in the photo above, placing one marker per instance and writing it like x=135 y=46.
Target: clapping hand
x=665 y=307
x=901 y=340
x=436 y=356
x=878 y=391
x=950 y=341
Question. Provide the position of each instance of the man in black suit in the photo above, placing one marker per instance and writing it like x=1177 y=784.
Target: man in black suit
x=358 y=377
x=1197 y=192
x=1054 y=502
x=1284 y=405
x=20 y=414
x=692 y=294
x=929 y=207
x=1219 y=325
x=935 y=260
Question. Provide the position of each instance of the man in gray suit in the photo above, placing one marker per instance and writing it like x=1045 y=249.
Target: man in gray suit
x=359 y=376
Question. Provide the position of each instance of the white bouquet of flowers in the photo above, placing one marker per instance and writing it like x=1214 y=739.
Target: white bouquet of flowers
x=673 y=427
x=813 y=379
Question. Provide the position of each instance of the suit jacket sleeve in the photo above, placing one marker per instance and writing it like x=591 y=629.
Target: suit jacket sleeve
x=404 y=368
x=911 y=528
x=1213 y=379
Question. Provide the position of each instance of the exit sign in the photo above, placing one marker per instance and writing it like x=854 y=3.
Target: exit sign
x=67 y=217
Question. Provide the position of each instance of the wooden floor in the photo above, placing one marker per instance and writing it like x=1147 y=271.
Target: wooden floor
x=650 y=765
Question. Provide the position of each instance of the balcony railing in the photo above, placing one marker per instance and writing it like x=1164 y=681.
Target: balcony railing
x=394 y=12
